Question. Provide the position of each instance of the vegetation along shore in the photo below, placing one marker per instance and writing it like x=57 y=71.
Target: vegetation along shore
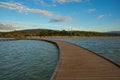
x=47 y=33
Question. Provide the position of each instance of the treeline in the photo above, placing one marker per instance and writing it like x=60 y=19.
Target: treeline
x=48 y=32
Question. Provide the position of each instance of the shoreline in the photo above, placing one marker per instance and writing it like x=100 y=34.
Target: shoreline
x=70 y=36
x=45 y=37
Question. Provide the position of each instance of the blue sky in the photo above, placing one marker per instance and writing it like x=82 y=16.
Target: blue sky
x=83 y=15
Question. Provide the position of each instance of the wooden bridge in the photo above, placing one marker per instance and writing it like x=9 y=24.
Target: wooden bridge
x=77 y=63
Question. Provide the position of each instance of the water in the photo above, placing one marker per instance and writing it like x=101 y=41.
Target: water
x=107 y=47
x=27 y=60
x=36 y=60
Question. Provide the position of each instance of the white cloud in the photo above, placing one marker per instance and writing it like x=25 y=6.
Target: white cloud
x=16 y=6
x=100 y=16
x=38 y=11
x=91 y=10
x=66 y=1
x=105 y=15
x=7 y=27
x=61 y=19
x=53 y=2
x=19 y=7
x=42 y=3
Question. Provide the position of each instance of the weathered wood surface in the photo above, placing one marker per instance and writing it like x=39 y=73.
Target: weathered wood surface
x=76 y=63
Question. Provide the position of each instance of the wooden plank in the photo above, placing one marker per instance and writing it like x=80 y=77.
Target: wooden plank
x=76 y=63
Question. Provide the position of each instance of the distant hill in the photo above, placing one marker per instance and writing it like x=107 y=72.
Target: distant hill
x=48 y=33
x=114 y=32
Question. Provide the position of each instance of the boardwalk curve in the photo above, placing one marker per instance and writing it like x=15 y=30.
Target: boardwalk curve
x=76 y=63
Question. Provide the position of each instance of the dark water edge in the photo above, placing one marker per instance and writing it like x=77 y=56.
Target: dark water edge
x=27 y=60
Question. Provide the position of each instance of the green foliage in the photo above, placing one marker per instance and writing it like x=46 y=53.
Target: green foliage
x=48 y=32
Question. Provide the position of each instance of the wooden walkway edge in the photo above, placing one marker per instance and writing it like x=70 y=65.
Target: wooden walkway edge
x=76 y=63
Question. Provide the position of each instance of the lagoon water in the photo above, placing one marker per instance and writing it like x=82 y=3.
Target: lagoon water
x=27 y=60
x=107 y=47
x=36 y=60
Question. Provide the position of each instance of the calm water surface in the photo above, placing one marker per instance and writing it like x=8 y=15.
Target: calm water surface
x=107 y=47
x=36 y=60
x=27 y=60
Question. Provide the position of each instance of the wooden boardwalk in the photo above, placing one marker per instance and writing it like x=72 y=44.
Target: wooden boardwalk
x=76 y=63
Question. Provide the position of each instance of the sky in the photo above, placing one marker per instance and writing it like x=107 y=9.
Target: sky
x=82 y=15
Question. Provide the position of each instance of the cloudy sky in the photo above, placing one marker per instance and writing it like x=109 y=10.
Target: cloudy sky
x=87 y=15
